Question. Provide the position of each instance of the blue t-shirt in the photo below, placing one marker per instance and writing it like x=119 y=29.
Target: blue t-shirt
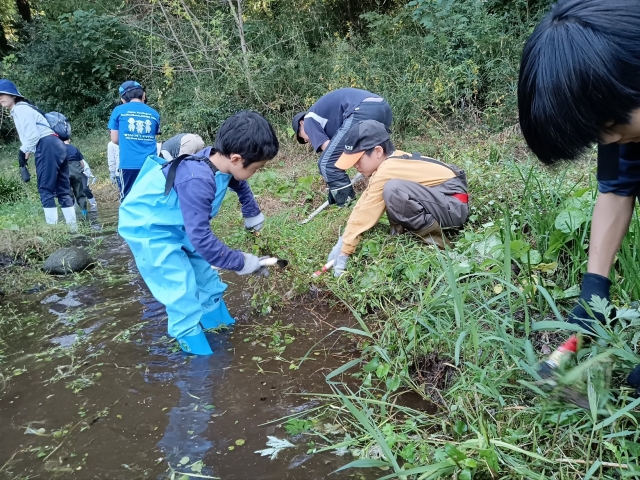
x=326 y=116
x=137 y=125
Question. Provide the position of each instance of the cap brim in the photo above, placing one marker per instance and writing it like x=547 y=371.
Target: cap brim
x=348 y=160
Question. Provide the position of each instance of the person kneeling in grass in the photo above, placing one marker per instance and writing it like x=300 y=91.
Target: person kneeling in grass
x=420 y=194
x=166 y=217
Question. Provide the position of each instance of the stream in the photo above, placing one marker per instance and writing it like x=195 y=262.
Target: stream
x=96 y=390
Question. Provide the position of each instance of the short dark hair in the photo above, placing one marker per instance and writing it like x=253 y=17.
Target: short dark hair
x=580 y=69
x=387 y=147
x=133 y=94
x=249 y=135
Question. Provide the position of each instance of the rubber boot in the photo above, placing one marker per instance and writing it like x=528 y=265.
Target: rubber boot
x=70 y=217
x=432 y=235
x=195 y=344
x=219 y=316
x=51 y=215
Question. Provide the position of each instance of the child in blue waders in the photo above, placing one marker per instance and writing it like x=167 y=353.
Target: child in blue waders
x=166 y=217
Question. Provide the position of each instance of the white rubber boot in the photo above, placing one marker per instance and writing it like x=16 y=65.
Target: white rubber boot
x=51 y=215
x=70 y=217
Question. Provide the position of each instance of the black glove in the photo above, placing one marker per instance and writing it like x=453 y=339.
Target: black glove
x=592 y=284
x=633 y=380
x=22 y=159
x=341 y=196
x=24 y=173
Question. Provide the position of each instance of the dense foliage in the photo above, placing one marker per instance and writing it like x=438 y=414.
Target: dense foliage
x=202 y=60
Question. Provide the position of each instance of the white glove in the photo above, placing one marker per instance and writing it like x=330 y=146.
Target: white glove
x=335 y=251
x=340 y=266
x=254 y=223
x=113 y=177
x=252 y=266
x=88 y=173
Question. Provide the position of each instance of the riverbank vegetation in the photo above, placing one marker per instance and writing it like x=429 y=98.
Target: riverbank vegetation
x=461 y=329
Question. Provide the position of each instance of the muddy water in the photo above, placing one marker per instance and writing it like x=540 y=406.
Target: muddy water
x=95 y=389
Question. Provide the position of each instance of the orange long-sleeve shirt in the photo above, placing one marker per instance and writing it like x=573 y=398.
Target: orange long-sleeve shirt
x=371 y=206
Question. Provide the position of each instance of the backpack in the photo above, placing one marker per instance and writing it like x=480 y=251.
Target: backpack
x=56 y=122
x=59 y=124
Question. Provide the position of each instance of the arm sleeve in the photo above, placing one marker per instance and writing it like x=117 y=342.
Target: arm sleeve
x=114 y=121
x=366 y=213
x=317 y=135
x=25 y=121
x=112 y=160
x=196 y=197
x=248 y=202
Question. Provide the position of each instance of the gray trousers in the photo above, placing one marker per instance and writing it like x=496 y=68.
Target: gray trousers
x=414 y=206
x=77 y=185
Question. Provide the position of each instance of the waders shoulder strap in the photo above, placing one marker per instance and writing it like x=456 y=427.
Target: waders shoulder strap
x=173 y=166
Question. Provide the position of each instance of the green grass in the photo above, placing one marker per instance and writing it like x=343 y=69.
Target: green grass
x=464 y=328
x=24 y=236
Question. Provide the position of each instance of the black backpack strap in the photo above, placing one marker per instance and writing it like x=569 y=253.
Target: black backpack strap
x=173 y=166
x=40 y=112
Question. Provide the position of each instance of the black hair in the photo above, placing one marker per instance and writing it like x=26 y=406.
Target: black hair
x=133 y=94
x=249 y=135
x=580 y=70
x=387 y=147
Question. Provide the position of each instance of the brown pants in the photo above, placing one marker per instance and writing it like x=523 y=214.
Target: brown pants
x=414 y=206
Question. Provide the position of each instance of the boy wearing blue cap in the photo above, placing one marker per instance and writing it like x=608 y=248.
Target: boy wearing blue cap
x=134 y=126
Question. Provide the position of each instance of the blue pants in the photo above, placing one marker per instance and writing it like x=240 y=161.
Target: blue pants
x=127 y=178
x=52 y=169
x=336 y=178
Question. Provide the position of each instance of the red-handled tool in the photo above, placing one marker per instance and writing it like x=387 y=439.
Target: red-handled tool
x=326 y=267
x=553 y=361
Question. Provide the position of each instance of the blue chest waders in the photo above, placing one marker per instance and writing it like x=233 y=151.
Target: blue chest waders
x=151 y=222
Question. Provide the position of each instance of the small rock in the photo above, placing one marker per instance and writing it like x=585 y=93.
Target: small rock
x=67 y=260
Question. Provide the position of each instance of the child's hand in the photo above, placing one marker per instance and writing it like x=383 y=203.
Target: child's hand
x=341 y=265
x=254 y=223
x=252 y=266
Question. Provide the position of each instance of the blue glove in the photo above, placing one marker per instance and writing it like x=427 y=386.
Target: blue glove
x=335 y=251
x=254 y=223
x=340 y=266
x=592 y=284
x=252 y=266
x=633 y=380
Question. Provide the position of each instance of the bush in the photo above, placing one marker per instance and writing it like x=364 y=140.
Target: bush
x=10 y=190
x=72 y=65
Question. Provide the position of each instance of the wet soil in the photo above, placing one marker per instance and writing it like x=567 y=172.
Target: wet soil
x=93 y=388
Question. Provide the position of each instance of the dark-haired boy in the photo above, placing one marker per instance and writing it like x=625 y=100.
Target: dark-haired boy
x=165 y=219
x=580 y=84
x=134 y=126
x=326 y=123
x=420 y=194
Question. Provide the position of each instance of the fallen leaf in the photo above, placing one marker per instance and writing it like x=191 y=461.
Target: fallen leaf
x=240 y=442
x=184 y=460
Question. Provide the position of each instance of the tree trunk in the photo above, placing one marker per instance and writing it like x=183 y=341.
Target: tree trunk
x=237 y=16
x=24 y=9
x=4 y=45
